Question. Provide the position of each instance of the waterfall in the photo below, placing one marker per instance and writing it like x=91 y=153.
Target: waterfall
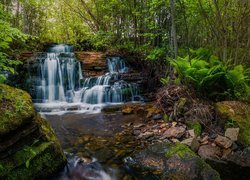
x=58 y=83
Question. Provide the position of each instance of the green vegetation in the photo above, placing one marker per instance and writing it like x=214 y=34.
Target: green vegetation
x=196 y=126
x=181 y=150
x=211 y=77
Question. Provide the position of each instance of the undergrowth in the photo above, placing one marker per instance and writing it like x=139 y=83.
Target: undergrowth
x=210 y=77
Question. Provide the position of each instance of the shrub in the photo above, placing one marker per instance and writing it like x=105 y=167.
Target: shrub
x=211 y=77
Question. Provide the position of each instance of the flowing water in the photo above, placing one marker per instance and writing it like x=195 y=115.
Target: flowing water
x=95 y=142
x=58 y=85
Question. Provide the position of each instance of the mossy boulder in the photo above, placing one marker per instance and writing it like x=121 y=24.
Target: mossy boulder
x=171 y=161
x=235 y=114
x=29 y=148
x=16 y=109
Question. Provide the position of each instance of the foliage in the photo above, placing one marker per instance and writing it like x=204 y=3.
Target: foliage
x=211 y=77
x=7 y=36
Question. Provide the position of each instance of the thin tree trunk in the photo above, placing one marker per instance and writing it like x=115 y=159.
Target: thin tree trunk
x=173 y=29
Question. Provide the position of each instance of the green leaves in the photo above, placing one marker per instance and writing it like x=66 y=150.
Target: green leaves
x=212 y=78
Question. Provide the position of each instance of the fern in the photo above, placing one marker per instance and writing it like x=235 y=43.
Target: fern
x=211 y=77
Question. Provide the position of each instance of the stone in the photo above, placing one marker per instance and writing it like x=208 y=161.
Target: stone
x=175 y=132
x=223 y=141
x=127 y=110
x=136 y=132
x=36 y=152
x=192 y=143
x=236 y=114
x=209 y=151
x=191 y=133
x=145 y=135
x=152 y=111
x=170 y=161
x=157 y=117
x=137 y=126
x=232 y=133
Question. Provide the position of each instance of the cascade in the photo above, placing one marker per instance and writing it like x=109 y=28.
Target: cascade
x=57 y=83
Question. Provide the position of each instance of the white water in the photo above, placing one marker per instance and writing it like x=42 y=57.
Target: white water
x=58 y=84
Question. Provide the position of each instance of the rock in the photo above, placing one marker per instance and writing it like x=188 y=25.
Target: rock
x=232 y=133
x=152 y=111
x=232 y=165
x=175 y=132
x=145 y=135
x=157 y=117
x=137 y=126
x=209 y=151
x=127 y=110
x=236 y=114
x=223 y=141
x=192 y=143
x=170 y=161
x=136 y=132
x=191 y=133
x=29 y=147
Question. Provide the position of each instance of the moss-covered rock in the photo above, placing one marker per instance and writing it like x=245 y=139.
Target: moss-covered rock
x=235 y=114
x=16 y=109
x=29 y=147
x=196 y=126
x=171 y=161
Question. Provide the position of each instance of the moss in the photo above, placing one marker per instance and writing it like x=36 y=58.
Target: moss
x=237 y=114
x=16 y=109
x=196 y=126
x=34 y=161
x=179 y=149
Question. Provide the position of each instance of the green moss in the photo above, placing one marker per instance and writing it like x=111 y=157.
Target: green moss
x=33 y=161
x=16 y=109
x=196 y=126
x=236 y=114
x=179 y=149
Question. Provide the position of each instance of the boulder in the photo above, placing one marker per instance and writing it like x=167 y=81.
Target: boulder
x=170 y=161
x=230 y=165
x=236 y=114
x=29 y=147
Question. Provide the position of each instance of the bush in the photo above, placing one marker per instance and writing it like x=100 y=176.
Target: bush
x=211 y=77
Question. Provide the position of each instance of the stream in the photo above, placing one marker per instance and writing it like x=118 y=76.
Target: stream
x=95 y=144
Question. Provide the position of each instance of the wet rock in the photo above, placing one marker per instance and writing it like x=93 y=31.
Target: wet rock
x=157 y=117
x=209 y=151
x=171 y=161
x=232 y=133
x=127 y=110
x=175 y=132
x=223 y=141
x=237 y=114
